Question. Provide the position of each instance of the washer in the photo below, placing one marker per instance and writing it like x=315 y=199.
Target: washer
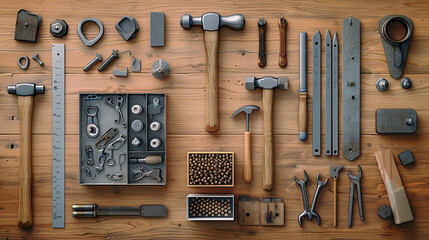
x=155 y=126
x=25 y=66
x=136 y=109
x=85 y=41
x=155 y=143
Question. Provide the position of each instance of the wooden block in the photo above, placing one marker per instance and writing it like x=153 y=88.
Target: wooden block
x=249 y=213
x=278 y=218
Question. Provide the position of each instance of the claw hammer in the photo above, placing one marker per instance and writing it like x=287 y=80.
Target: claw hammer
x=211 y=24
x=268 y=84
x=25 y=93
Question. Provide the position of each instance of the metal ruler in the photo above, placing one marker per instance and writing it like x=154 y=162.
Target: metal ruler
x=328 y=94
x=351 y=88
x=58 y=134
x=316 y=94
x=335 y=95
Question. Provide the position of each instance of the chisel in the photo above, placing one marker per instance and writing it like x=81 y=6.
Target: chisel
x=92 y=211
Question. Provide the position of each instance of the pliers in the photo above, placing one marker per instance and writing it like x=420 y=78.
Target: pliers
x=355 y=183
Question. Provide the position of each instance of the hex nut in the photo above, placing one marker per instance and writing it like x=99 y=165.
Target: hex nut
x=384 y=211
x=155 y=126
x=136 y=142
x=137 y=125
x=136 y=109
x=59 y=28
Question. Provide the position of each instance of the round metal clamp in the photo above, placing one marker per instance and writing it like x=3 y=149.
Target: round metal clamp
x=87 y=42
x=407 y=24
x=25 y=66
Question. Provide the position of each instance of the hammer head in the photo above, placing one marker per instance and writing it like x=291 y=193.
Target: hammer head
x=247 y=109
x=26 y=89
x=267 y=83
x=213 y=21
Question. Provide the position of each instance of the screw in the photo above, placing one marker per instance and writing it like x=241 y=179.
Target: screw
x=36 y=58
x=409 y=121
x=406 y=83
x=93 y=62
x=109 y=60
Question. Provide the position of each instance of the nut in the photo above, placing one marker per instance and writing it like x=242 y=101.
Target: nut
x=155 y=143
x=155 y=126
x=136 y=109
x=59 y=28
x=136 y=142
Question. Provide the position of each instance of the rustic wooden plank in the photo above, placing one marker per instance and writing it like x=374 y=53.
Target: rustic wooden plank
x=291 y=159
x=186 y=101
x=185 y=88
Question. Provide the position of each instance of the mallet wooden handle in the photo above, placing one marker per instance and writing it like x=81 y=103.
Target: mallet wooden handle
x=268 y=150
x=25 y=106
x=211 y=45
x=335 y=202
x=247 y=157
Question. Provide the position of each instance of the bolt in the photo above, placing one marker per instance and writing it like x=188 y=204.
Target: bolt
x=409 y=121
x=93 y=62
x=56 y=27
x=109 y=60
x=36 y=58
x=406 y=83
x=382 y=84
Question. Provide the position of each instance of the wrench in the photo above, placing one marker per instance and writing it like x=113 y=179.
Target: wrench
x=92 y=128
x=117 y=107
x=320 y=184
x=302 y=183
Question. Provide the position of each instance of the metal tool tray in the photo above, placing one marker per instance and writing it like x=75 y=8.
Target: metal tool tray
x=106 y=119
x=191 y=197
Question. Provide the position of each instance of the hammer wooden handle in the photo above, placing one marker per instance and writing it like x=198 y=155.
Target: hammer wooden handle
x=268 y=150
x=335 y=202
x=211 y=45
x=282 y=54
x=247 y=158
x=25 y=106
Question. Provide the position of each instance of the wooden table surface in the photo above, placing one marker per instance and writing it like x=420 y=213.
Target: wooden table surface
x=184 y=51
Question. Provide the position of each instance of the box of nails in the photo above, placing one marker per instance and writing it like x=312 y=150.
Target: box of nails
x=210 y=207
x=210 y=169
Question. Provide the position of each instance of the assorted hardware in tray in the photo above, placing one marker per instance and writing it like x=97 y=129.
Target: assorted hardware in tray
x=210 y=207
x=122 y=139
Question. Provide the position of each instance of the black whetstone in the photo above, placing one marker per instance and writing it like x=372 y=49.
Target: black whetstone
x=156 y=29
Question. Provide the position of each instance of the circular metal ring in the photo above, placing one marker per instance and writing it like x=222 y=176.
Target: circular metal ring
x=25 y=66
x=402 y=20
x=85 y=41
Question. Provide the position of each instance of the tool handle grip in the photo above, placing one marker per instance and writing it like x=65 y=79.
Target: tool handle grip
x=335 y=202
x=247 y=175
x=211 y=45
x=262 y=58
x=282 y=53
x=302 y=116
x=154 y=159
x=268 y=150
x=25 y=107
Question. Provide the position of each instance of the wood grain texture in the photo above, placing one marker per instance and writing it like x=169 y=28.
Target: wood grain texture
x=238 y=51
x=25 y=105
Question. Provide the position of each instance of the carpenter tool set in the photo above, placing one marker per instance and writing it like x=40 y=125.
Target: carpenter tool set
x=123 y=136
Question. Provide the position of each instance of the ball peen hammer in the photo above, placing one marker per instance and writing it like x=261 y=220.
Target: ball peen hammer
x=211 y=23
x=25 y=93
x=268 y=84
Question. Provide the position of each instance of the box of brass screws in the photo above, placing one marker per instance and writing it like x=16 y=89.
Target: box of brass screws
x=210 y=207
x=210 y=169
x=122 y=139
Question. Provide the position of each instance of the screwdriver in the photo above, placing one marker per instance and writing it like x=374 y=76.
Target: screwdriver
x=151 y=160
x=92 y=211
